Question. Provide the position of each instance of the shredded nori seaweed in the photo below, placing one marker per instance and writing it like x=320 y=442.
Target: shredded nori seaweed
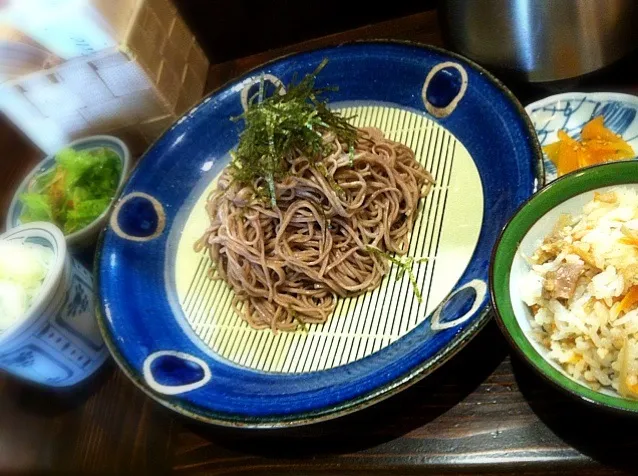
x=283 y=126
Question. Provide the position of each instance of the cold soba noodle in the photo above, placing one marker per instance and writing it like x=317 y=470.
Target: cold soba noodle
x=289 y=243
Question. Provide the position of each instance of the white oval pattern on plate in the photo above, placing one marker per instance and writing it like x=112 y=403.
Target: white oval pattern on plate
x=480 y=290
x=147 y=371
x=447 y=231
x=254 y=81
x=449 y=109
x=157 y=207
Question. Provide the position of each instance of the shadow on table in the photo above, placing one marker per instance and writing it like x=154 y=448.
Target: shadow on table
x=30 y=397
x=603 y=435
x=387 y=420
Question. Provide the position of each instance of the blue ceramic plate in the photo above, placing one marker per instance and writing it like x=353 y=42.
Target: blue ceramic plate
x=571 y=111
x=171 y=329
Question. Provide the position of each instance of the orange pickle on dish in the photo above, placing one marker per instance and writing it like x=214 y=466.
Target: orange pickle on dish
x=597 y=145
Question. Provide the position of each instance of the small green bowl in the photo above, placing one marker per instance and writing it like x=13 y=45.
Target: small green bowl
x=532 y=222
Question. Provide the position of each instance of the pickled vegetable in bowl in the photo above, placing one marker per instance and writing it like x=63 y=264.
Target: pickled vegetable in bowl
x=76 y=191
x=597 y=145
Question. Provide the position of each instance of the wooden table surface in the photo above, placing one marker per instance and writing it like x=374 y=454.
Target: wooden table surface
x=483 y=412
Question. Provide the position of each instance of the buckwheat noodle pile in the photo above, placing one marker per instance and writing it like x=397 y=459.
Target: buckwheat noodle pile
x=329 y=235
x=309 y=209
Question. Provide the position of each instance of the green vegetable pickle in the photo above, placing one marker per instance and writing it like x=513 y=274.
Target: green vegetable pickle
x=74 y=192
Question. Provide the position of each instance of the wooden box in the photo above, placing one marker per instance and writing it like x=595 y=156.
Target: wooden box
x=134 y=90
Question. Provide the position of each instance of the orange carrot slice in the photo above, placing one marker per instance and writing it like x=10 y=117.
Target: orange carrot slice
x=598 y=145
x=569 y=158
x=595 y=129
x=629 y=300
x=552 y=150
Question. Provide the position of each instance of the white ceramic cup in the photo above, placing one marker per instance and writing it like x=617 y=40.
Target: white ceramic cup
x=57 y=343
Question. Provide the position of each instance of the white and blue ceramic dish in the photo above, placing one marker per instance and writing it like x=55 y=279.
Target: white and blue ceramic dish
x=58 y=343
x=571 y=111
x=87 y=236
x=169 y=327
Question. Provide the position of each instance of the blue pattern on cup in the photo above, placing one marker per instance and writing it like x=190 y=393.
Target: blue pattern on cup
x=59 y=343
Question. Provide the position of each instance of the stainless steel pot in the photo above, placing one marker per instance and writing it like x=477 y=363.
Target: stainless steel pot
x=542 y=40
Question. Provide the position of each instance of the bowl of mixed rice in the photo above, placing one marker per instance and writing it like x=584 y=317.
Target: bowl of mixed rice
x=564 y=283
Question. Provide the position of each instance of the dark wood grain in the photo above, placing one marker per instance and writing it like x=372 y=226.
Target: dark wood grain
x=228 y=30
x=482 y=413
x=107 y=425
x=477 y=414
x=420 y=27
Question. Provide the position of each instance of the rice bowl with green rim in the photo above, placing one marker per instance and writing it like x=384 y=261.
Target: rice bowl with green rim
x=533 y=221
